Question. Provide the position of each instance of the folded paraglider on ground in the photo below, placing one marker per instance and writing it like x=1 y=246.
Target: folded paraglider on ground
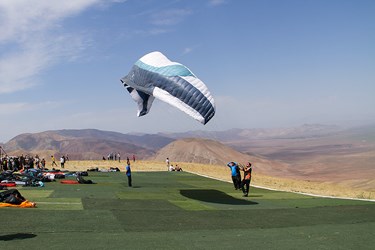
x=13 y=198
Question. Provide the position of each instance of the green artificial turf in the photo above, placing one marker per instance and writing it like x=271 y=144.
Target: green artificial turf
x=178 y=210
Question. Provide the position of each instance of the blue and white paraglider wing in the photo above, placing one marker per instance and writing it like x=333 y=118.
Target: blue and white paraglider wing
x=155 y=76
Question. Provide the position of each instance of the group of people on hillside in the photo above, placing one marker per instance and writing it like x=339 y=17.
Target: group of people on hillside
x=15 y=163
x=170 y=166
x=244 y=183
x=113 y=156
x=117 y=156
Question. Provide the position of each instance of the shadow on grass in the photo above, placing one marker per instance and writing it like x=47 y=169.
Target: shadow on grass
x=214 y=196
x=17 y=236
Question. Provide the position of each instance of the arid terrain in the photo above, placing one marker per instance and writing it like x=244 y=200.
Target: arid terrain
x=309 y=157
x=345 y=157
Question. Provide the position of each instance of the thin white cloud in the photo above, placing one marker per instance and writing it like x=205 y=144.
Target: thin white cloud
x=16 y=108
x=33 y=38
x=215 y=3
x=152 y=32
x=16 y=69
x=190 y=49
x=11 y=108
x=187 y=51
x=162 y=20
x=169 y=17
x=20 y=68
x=21 y=18
x=119 y=1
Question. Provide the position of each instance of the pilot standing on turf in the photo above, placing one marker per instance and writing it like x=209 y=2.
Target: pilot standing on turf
x=245 y=184
x=129 y=174
x=236 y=175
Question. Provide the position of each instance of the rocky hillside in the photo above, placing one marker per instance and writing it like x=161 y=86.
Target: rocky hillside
x=208 y=151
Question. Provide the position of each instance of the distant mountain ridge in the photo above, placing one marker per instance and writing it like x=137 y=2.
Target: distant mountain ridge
x=85 y=143
x=94 y=144
x=304 y=131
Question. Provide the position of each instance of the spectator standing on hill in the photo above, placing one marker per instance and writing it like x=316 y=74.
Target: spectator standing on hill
x=37 y=162
x=167 y=162
x=62 y=161
x=133 y=158
x=236 y=175
x=245 y=184
x=129 y=174
x=43 y=163
x=53 y=161
x=119 y=157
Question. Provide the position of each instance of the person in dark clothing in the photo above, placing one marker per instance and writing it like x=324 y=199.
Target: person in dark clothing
x=11 y=196
x=81 y=180
x=129 y=174
x=245 y=184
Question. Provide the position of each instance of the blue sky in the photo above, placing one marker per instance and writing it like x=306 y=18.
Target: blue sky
x=268 y=63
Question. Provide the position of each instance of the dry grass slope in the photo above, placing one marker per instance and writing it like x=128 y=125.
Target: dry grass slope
x=206 y=151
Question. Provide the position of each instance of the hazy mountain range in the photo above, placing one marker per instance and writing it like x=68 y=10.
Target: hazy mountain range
x=276 y=144
x=93 y=143
x=311 y=152
x=85 y=143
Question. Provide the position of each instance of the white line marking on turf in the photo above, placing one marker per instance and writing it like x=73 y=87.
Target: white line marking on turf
x=63 y=203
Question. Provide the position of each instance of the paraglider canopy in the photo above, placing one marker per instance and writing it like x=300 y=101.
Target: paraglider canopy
x=155 y=76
